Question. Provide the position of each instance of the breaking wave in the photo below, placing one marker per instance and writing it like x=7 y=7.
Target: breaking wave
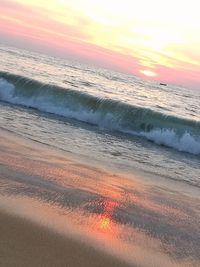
x=178 y=133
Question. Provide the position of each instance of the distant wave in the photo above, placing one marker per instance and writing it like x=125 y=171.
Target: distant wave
x=179 y=133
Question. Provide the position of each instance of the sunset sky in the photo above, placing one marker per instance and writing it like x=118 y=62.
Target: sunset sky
x=149 y=38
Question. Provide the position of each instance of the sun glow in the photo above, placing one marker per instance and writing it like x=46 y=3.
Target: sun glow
x=148 y=73
x=128 y=34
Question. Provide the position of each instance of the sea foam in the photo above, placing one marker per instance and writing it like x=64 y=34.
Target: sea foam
x=179 y=133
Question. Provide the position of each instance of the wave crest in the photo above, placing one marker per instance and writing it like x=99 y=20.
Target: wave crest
x=179 y=133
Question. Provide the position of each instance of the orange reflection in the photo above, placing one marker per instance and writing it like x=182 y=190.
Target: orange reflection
x=106 y=218
x=105 y=223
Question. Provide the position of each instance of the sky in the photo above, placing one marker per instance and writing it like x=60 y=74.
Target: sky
x=153 y=39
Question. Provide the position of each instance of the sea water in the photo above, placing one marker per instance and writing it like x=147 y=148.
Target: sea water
x=114 y=119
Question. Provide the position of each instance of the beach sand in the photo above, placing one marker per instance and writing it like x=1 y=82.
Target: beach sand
x=24 y=243
x=56 y=211
x=25 y=238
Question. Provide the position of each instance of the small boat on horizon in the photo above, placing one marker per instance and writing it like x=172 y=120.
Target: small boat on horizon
x=164 y=84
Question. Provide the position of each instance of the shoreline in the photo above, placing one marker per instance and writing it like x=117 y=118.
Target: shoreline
x=138 y=176
x=53 y=204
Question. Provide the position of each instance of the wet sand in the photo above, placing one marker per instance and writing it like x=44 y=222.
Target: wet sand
x=55 y=211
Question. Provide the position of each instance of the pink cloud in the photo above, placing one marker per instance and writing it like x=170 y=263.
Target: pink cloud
x=36 y=27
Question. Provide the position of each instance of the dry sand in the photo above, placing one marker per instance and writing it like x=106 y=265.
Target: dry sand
x=24 y=243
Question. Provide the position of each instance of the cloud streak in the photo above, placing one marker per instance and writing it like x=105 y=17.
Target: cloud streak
x=139 y=37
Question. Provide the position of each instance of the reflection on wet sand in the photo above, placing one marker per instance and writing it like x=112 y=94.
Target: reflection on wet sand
x=147 y=224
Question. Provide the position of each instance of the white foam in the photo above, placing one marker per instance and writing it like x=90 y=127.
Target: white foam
x=168 y=137
x=185 y=142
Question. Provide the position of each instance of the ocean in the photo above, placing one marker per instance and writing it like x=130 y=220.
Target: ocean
x=112 y=119
x=103 y=154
